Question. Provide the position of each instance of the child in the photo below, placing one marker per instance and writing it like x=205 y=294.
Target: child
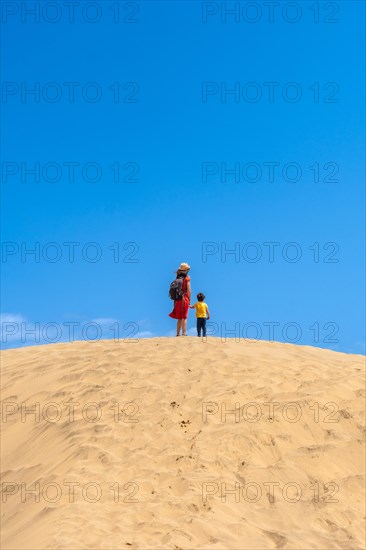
x=202 y=313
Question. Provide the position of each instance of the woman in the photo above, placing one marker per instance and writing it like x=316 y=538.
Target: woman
x=180 y=310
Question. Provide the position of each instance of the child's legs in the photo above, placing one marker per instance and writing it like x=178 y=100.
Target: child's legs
x=204 y=327
x=200 y=326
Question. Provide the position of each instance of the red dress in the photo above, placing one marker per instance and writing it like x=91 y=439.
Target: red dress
x=181 y=307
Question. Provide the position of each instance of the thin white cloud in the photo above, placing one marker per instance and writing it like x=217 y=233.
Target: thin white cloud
x=11 y=318
x=10 y=327
x=145 y=334
x=104 y=321
x=14 y=327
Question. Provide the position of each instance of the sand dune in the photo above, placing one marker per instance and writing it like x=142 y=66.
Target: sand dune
x=133 y=445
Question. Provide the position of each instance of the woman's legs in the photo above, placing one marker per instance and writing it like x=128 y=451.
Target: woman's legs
x=182 y=326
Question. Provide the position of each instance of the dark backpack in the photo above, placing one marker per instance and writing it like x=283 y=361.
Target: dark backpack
x=176 y=289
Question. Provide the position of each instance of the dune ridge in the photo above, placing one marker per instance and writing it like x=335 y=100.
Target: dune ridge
x=178 y=443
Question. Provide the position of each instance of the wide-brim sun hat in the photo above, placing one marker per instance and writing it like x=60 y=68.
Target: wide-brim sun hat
x=184 y=267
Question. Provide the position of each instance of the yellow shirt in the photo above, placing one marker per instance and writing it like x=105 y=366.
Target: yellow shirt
x=201 y=309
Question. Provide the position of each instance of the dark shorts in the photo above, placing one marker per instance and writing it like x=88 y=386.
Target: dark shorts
x=201 y=326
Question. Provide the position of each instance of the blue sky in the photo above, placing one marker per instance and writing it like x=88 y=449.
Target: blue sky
x=172 y=136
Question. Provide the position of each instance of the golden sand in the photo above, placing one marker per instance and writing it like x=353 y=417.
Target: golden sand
x=182 y=444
